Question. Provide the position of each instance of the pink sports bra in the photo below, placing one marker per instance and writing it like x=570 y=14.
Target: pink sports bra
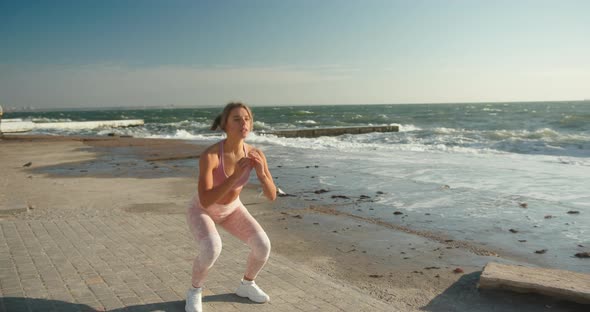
x=219 y=173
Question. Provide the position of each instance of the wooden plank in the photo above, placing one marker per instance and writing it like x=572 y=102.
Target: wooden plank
x=318 y=132
x=566 y=285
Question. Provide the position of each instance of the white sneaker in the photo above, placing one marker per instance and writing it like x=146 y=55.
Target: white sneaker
x=249 y=289
x=193 y=300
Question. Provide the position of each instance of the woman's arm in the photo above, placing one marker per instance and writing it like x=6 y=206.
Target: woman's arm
x=208 y=195
x=263 y=174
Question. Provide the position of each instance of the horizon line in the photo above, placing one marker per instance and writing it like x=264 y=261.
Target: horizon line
x=32 y=109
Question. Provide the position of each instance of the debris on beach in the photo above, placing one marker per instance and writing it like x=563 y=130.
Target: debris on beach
x=573 y=212
x=282 y=193
x=28 y=164
x=524 y=205
x=340 y=196
x=432 y=268
x=458 y=270
x=542 y=251
x=375 y=275
x=583 y=254
x=297 y=216
x=513 y=231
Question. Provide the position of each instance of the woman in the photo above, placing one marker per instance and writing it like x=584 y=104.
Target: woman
x=224 y=168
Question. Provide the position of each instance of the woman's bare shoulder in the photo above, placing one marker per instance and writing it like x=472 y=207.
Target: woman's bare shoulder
x=210 y=153
x=211 y=149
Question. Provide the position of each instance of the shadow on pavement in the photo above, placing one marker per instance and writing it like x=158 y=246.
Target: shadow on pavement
x=465 y=296
x=18 y=304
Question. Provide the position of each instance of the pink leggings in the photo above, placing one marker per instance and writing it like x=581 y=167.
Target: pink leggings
x=236 y=220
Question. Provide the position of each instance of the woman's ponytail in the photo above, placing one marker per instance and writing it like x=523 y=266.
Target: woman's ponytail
x=216 y=123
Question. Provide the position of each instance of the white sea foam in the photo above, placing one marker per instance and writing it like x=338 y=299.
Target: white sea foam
x=41 y=120
x=407 y=128
x=185 y=135
x=188 y=123
x=262 y=125
x=307 y=122
x=372 y=141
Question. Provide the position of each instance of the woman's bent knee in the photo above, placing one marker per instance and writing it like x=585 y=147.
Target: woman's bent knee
x=260 y=245
x=209 y=248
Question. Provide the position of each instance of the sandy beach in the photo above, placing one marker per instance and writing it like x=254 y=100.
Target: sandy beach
x=61 y=178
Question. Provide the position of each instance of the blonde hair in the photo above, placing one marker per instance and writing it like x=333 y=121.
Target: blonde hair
x=221 y=119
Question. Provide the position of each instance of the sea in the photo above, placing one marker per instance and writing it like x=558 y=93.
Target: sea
x=513 y=177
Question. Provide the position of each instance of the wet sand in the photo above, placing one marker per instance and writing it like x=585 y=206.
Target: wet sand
x=83 y=177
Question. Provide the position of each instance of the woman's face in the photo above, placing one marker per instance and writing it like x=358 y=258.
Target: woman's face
x=238 y=123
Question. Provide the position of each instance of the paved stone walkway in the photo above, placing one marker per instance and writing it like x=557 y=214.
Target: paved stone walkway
x=142 y=263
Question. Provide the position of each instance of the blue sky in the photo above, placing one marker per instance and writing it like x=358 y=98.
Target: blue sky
x=206 y=53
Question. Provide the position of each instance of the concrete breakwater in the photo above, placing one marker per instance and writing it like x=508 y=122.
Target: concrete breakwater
x=314 y=133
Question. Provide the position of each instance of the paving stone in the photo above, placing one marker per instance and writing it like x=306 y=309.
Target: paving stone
x=143 y=263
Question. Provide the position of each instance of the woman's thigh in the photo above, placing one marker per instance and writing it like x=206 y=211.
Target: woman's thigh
x=241 y=224
x=200 y=223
